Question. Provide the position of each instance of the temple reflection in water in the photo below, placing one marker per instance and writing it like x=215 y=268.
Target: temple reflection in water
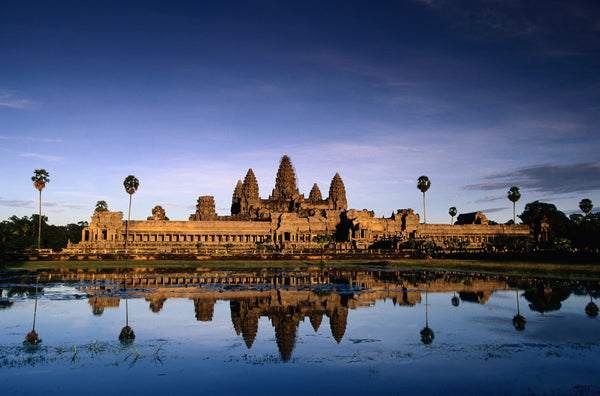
x=291 y=296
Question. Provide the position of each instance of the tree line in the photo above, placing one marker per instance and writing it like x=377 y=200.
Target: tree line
x=19 y=234
x=574 y=232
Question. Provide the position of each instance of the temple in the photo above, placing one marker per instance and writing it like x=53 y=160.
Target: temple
x=286 y=220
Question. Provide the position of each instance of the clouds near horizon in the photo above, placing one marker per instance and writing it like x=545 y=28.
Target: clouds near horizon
x=546 y=178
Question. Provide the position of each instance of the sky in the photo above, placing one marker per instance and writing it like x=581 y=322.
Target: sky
x=478 y=95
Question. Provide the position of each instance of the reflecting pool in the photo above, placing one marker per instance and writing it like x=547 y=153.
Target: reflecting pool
x=296 y=331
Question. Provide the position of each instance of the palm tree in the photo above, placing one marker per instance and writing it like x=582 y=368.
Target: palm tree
x=423 y=184
x=101 y=206
x=586 y=206
x=322 y=239
x=131 y=184
x=513 y=196
x=40 y=178
x=452 y=212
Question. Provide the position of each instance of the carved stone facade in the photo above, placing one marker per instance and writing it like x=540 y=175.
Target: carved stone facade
x=286 y=198
x=205 y=209
x=285 y=220
x=158 y=213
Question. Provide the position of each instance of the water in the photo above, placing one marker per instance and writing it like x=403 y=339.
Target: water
x=296 y=331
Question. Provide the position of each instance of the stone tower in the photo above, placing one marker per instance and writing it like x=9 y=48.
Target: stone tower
x=250 y=197
x=315 y=194
x=236 y=201
x=205 y=209
x=285 y=184
x=286 y=197
x=337 y=194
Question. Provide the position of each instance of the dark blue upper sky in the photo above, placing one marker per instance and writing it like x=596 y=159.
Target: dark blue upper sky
x=479 y=95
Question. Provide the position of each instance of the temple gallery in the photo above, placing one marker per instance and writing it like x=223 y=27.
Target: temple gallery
x=285 y=220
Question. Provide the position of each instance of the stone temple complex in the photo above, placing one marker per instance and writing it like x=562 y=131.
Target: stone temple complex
x=286 y=220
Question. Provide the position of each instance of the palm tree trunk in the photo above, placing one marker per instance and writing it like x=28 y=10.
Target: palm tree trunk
x=40 y=222
x=127 y=224
x=34 y=313
x=426 y=310
x=424 y=213
x=514 y=214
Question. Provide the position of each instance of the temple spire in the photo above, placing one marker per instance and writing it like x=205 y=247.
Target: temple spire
x=237 y=198
x=315 y=194
x=337 y=193
x=250 y=188
x=285 y=184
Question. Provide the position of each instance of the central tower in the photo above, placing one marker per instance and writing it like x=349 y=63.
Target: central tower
x=285 y=193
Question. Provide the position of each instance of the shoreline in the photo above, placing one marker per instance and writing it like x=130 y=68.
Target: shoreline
x=549 y=269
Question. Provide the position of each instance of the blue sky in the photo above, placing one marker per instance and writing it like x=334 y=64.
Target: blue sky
x=478 y=95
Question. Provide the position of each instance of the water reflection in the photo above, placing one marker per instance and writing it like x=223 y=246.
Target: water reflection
x=455 y=300
x=519 y=320
x=427 y=334
x=591 y=309
x=287 y=298
x=127 y=335
x=32 y=337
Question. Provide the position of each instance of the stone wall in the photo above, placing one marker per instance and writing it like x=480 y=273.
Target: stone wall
x=285 y=220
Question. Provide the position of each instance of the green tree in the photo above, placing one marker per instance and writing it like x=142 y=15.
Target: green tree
x=586 y=206
x=423 y=184
x=322 y=239
x=131 y=184
x=536 y=213
x=101 y=206
x=452 y=212
x=513 y=196
x=40 y=178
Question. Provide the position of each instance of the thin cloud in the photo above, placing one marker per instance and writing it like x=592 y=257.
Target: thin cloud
x=547 y=178
x=386 y=76
x=17 y=203
x=30 y=139
x=178 y=205
x=50 y=158
x=58 y=205
x=494 y=210
x=490 y=198
x=10 y=100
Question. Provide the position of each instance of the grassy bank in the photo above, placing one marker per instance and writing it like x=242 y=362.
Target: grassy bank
x=577 y=270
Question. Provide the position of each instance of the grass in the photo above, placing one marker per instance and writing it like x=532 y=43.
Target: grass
x=575 y=270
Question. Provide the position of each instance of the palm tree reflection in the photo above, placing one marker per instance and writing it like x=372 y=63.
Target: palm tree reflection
x=519 y=320
x=591 y=309
x=427 y=334
x=127 y=335
x=455 y=300
x=32 y=337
